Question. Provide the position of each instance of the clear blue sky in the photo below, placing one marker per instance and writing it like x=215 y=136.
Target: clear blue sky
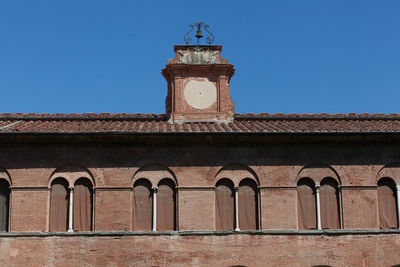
x=290 y=56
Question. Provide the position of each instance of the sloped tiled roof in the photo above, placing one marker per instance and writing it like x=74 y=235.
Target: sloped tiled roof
x=122 y=123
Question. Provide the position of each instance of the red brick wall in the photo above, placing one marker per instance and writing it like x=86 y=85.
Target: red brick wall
x=196 y=209
x=113 y=210
x=360 y=208
x=195 y=169
x=209 y=250
x=113 y=169
x=29 y=210
x=279 y=209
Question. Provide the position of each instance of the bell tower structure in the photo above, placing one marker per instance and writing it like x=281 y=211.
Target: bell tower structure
x=198 y=82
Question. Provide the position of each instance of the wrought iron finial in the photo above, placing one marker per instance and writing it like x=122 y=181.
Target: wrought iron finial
x=199 y=34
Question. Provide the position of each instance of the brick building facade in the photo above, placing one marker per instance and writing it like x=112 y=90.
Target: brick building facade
x=199 y=185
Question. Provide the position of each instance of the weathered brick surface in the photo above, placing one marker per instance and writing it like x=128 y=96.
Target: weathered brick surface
x=279 y=209
x=197 y=210
x=113 y=169
x=113 y=210
x=195 y=168
x=360 y=208
x=29 y=210
x=247 y=250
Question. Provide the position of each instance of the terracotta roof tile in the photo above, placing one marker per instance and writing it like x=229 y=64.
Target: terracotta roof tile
x=103 y=123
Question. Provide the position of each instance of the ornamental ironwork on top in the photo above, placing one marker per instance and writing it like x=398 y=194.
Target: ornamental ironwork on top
x=199 y=33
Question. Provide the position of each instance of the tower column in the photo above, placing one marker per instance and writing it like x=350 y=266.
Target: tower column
x=71 y=209
x=236 y=189
x=318 y=207
x=155 y=188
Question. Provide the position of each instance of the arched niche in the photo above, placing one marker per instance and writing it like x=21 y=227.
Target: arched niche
x=317 y=172
x=154 y=173
x=166 y=205
x=387 y=205
x=306 y=203
x=142 y=205
x=83 y=205
x=4 y=204
x=59 y=200
x=392 y=171
x=224 y=205
x=329 y=203
x=72 y=172
x=236 y=173
x=248 y=205
x=4 y=175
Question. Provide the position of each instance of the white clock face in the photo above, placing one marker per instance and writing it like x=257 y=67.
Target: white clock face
x=200 y=94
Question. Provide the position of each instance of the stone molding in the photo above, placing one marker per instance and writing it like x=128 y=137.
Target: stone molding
x=331 y=232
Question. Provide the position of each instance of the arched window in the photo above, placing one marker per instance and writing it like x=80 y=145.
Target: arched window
x=248 y=207
x=329 y=201
x=59 y=199
x=387 y=203
x=306 y=204
x=142 y=205
x=4 y=204
x=225 y=205
x=83 y=205
x=166 y=205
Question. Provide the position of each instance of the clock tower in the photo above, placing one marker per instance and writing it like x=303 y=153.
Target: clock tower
x=198 y=83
